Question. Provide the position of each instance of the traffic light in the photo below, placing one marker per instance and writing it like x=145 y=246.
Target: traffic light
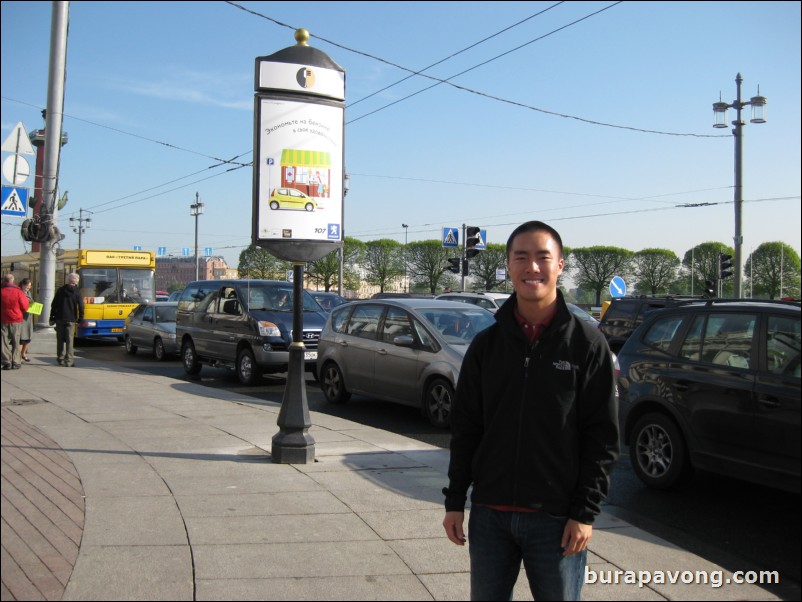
x=455 y=264
x=471 y=240
x=710 y=288
x=724 y=265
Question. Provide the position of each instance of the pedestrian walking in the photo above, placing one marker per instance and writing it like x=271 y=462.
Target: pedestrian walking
x=534 y=430
x=26 y=331
x=12 y=314
x=66 y=310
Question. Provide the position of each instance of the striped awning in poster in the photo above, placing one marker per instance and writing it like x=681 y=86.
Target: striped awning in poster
x=305 y=158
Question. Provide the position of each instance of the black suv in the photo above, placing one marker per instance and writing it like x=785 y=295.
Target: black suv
x=244 y=325
x=714 y=386
x=625 y=314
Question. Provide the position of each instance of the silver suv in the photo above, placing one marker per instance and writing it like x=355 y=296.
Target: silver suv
x=489 y=301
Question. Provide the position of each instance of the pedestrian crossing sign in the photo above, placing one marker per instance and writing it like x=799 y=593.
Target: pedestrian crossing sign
x=450 y=237
x=15 y=201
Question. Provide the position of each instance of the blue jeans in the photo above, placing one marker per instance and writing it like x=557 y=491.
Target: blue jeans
x=498 y=541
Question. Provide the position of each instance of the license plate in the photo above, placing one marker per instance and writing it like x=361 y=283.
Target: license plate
x=310 y=355
x=116 y=329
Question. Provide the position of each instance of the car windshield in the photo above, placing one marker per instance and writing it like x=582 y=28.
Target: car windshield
x=277 y=298
x=458 y=326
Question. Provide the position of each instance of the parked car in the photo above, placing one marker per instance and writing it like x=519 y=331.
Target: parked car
x=625 y=314
x=406 y=351
x=152 y=327
x=244 y=325
x=290 y=198
x=175 y=295
x=583 y=314
x=714 y=386
x=490 y=301
x=401 y=296
x=328 y=301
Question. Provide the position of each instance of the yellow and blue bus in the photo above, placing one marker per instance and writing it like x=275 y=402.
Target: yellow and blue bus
x=113 y=283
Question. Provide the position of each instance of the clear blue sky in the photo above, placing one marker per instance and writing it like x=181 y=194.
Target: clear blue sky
x=156 y=90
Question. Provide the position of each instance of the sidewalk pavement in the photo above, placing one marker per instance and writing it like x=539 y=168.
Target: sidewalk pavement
x=117 y=484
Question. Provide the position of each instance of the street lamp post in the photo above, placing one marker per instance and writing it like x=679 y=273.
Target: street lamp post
x=406 y=280
x=196 y=209
x=758 y=104
x=340 y=254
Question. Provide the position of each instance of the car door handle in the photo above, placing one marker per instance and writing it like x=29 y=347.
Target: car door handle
x=382 y=351
x=681 y=385
x=771 y=403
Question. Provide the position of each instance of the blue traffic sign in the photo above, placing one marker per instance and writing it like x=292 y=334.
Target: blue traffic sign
x=618 y=288
x=15 y=201
x=482 y=244
x=450 y=237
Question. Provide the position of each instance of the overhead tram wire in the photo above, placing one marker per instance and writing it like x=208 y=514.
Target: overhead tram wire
x=483 y=63
x=119 y=131
x=451 y=56
x=573 y=217
x=477 y=92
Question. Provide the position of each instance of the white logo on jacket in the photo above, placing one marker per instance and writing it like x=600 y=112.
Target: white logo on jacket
x=563 y=365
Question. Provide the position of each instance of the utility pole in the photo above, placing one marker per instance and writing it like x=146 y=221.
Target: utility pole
x=196 y=209
x=79 y=229
x=54 y=121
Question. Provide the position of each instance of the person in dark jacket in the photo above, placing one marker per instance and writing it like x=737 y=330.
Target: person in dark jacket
x=66 y=310
x=535 y=432
x=14 y=306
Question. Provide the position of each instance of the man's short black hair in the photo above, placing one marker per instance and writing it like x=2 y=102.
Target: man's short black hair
x=534 y=226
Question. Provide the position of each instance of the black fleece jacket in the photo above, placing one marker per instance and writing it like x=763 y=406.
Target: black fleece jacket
x=535 y=426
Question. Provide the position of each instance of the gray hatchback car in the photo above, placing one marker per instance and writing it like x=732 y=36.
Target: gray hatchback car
x=152 y=327
x=407 y=351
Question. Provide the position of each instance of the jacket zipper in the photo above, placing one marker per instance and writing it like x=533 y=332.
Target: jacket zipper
x=529 y=354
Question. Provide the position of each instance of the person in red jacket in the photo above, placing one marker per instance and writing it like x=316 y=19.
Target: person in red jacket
x=14 y=306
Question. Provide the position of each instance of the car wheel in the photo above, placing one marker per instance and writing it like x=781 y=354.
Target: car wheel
x=190 y=360
x=309 y=207
x=333 y=384
x=658 y=452
x=247 y=371
x=158 y=350
x=437 y=402
x=273 y=204
x=129 y=345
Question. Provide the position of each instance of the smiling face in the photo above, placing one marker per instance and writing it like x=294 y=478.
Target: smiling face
x=534 y=262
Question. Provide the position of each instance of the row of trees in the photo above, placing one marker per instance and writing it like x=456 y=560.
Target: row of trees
x=771 y=271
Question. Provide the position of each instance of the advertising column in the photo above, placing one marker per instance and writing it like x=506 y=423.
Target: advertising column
x=299 y=121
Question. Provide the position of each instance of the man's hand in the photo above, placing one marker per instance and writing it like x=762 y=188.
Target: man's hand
x=453 y=525
x=576 y=537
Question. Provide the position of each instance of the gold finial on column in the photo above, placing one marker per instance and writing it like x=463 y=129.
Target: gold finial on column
x=302 y=36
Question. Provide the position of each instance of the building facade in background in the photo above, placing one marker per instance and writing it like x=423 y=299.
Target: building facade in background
x=180 y=270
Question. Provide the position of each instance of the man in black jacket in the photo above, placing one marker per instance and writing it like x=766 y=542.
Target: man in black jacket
x=66 y=310
x=534 y=430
